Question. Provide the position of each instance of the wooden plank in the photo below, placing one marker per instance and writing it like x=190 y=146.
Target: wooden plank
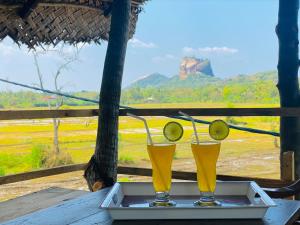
x=68 y=212
x=66 y=113
x=43 y=114
x=215 y=111
x=42 y=199
x=41 y=173
x=85 y=210
x=181 y=175
x=287 y=165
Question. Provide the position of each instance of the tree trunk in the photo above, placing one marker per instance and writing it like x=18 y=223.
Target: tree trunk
x=102 y=168
x=55 y=136
x=288 y=85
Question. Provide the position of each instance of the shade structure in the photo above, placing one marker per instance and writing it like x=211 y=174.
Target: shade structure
x=35 y=22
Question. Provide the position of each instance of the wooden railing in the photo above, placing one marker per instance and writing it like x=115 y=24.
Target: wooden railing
x=64 y=113
x=43 y=114
x=181 y=175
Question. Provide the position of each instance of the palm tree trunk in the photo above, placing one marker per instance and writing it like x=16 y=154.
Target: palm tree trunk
x=103 y=165
x=288 y=85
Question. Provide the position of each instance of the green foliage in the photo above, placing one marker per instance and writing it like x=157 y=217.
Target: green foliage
x=124 y=179
x=37 y=156
x=28 y=99
x=125 y=159
x=257 y=88
x=14 y=163
x=2 y=171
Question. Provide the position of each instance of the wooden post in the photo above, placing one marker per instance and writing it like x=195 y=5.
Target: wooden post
x=288 y=166
x=288 y=85
x=102 y=168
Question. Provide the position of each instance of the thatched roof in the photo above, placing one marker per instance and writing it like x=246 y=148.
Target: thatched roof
x=35 y=22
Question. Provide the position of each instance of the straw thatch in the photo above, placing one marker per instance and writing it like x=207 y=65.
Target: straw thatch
x=34 y=22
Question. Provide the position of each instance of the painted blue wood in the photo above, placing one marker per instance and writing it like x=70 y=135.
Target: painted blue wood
x=65 y=213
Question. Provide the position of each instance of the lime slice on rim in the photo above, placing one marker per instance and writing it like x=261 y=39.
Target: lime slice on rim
x=173 y=131
x=218 y=130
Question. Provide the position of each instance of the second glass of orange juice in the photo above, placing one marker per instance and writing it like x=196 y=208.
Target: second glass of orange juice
x=206 y=153
x=161 y=154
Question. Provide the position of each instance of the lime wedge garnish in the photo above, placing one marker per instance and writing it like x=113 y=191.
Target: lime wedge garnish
x=173 y=131
x=218 y=130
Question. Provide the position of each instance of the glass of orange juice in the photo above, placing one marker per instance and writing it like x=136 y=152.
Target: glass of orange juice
x=206 y=152
x=161 y=153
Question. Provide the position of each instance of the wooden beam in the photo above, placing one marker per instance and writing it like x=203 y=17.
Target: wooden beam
x=40 y=173
x=63 y=4
x=181 y=175
x=215 y=111
x=28 y=8
x=67 y=113
x=45 y=114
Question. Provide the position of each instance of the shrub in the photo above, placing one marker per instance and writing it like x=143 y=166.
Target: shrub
x=51 y=159
x=2 y=171
x=44 y=156
x=37 y=156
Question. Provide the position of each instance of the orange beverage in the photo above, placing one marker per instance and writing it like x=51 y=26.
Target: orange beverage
x=161 y=156
x=206 y=155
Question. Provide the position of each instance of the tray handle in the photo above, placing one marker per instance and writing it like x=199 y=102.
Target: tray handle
x=112 y=199
x=262 y=195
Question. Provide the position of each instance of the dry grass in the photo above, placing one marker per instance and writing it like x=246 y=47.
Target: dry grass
x=242 y=153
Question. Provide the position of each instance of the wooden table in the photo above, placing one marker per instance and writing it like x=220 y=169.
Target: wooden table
x=85 y=210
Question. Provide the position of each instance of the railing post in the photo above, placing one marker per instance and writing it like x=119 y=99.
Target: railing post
x=287 y=165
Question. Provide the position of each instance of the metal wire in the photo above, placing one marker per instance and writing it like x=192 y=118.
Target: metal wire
x=251 y=130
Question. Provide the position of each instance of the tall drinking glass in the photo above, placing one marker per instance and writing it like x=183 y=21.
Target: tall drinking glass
x=206 y=154
x=161 y=153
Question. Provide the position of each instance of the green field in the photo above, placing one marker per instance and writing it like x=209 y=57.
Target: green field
x=242 y=153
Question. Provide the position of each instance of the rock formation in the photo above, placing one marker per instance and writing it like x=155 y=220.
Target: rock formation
x=192 y=65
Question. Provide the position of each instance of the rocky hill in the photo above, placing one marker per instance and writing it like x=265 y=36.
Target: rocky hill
x=193 y=73
x=192 y=65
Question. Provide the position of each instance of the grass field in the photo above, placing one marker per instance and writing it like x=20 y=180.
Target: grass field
x=242 y=153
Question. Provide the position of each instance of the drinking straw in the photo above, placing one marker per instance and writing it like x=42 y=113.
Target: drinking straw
x=146 y=125
x=198 y=142
x=194 y=125
x=151 y=143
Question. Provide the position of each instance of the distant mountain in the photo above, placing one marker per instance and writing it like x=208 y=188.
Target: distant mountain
x=192 y=80
x=152 y=80
x=159 y=80
x=255 y=88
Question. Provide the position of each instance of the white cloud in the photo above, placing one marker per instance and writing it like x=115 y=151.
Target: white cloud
x=189 y=50
x=210 y=50
x=136 y=43
x=164 y=58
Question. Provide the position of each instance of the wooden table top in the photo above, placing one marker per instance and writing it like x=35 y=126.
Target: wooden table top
x=85 y=210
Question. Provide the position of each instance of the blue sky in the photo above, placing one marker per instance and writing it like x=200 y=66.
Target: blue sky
x=237 y=36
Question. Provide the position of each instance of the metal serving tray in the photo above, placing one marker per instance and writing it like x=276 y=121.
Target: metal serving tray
x=239 y=199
